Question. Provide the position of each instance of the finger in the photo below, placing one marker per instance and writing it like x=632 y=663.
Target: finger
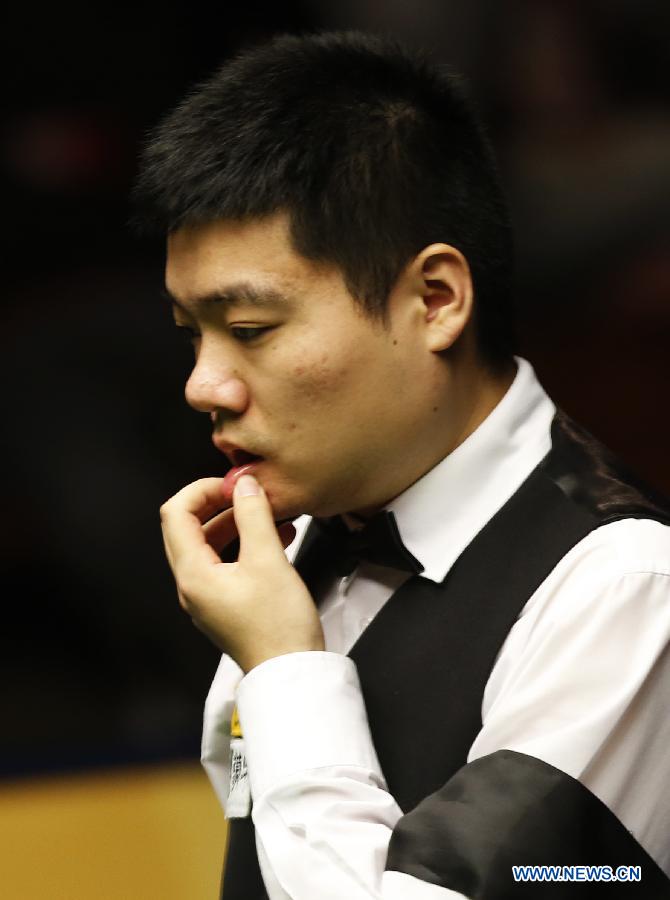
x=183 y=515
x=203 y=498
x=220 y=530
x=255 y=524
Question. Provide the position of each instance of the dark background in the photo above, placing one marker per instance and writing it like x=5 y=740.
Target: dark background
x=99 y=665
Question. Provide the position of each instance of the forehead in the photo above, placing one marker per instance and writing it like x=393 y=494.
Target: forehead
x=205 y=258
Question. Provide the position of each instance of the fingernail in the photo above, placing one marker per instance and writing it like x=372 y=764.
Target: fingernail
x=247 y=486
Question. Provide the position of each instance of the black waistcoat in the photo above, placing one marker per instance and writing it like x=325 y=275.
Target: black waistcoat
x=425 y=659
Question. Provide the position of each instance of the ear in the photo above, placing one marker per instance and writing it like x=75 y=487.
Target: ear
x=442 y=276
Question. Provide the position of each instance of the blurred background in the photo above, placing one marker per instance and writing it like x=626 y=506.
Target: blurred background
x=103 y=677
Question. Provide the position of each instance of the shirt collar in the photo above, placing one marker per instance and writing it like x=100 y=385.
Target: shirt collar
x=440 y=514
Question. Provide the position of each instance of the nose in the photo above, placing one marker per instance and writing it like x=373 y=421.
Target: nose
x=214 y=386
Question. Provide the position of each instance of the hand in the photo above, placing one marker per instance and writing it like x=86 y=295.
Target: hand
x=252 y=609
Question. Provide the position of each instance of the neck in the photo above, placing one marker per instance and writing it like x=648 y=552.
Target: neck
x=481 y=394
x=473 y=393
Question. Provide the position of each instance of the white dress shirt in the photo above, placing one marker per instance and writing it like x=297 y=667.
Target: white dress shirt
x=582 y=680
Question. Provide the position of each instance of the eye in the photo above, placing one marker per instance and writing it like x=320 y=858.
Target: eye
x=246 y=334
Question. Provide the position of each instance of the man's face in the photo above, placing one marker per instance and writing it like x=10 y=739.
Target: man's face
x=292 y=371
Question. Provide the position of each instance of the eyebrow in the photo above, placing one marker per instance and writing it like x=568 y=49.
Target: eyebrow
x=242 y=293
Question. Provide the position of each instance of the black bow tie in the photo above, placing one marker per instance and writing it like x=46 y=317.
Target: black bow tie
x=378 y=542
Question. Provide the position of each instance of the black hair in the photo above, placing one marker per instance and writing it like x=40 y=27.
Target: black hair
x=371 y=150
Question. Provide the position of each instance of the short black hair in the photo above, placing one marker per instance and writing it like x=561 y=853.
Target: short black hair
x=372 y=151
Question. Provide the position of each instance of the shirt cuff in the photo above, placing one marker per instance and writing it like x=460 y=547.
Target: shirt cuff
x=215 y=749
x=302 y=711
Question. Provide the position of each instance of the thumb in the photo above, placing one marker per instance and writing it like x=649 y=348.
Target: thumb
x=255 y=525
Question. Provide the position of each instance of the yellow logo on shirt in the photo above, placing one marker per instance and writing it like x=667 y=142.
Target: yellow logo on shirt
x=235 y=727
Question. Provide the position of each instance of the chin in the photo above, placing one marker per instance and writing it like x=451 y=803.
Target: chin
x=284 y=507
x=289 y=501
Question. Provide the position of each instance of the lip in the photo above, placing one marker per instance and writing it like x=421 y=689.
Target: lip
x=242 y=461
x=237 y=456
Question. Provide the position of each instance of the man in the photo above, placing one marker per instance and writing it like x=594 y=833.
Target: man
x=339 y=254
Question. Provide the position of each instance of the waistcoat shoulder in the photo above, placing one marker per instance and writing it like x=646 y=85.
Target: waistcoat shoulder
x=592 y=477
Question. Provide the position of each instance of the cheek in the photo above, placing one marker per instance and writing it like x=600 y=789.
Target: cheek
x=322 y=377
